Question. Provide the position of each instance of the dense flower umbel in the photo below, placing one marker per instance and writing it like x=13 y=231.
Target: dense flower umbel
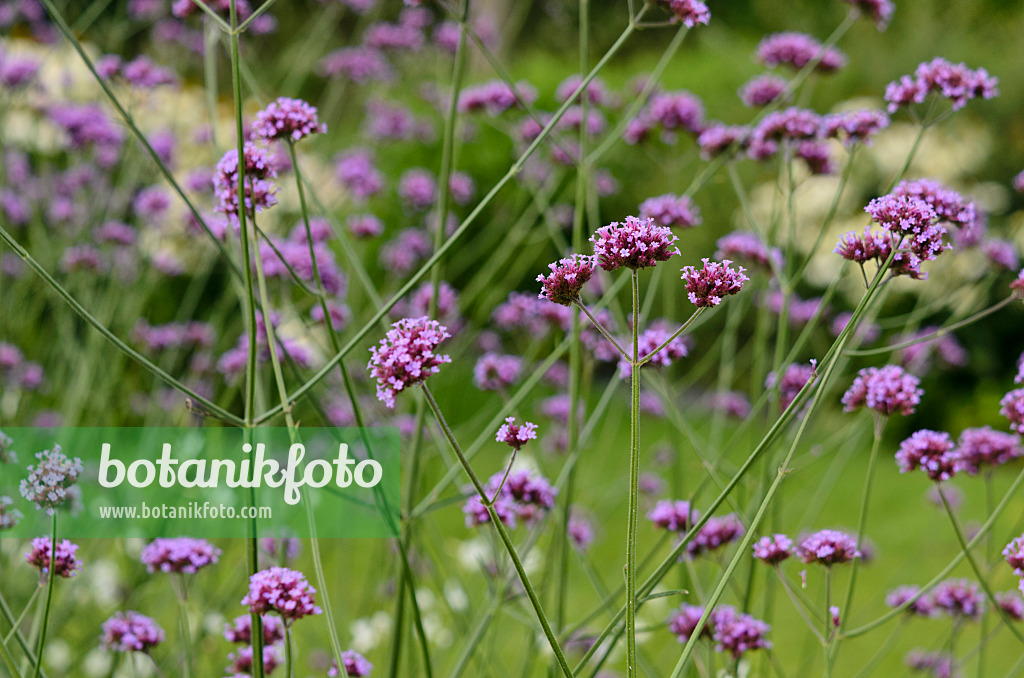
x=774 y=549
x=240 y=630
x=748 y=248
x=855 y=127
x=131 y=632
x=1012 y=407
x=981 y=447
x=567 y=278
x=495 y=371
x=1011 y=603
x=796 y=50
x=931 y=451
x=356 y=665
x=828 y=547
x=283 y=591
x=949 y=205
x=406 y=356
x=955 y=82
x=180 y=554
x=1014 y=554
x=259 y=192
x=524 y=496
x=706 y=286
x=731 y=631
x=50 y=479
x=516 y=435
x=674 y=516
x=762 y=90
x=886 y=390
x=683 y=623
x=634 y=243
x=923 y=605
x=716 y=533
x=9 y=517
x=67 y=563
x=959 y=598
x=291 y=119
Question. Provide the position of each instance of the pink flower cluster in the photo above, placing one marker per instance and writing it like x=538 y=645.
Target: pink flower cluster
x=260 y=193
x=131 y=632
x=674 y=516
x=523 y=496
x=184 y=555
x=796 y=50
x=67 y=563
x=516 y=435
x=406 y=356
x=567 y=278
x=356 y=665
x=955 y=82
x=774 y=549
x=49 y=481
x=671 y=211
x=289 y=119
x=731 y=631
x=828 y=547
x=706 y=286
x=634 y=244
x=886 y=390
x=931 y=451
x=283 y=591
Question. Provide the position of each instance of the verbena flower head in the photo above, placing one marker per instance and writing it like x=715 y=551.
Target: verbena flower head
x=291 y=119
x=259 y=191
x=516 y=435
x=855 y=127
x=886 y=390
x=1012 y=407
x=524 y=496
x=9 y=517
x=986 y=447
x=671 y=211
x=903 y=215
x=417 y=188
x=828 y=547
x=406 y=356
x=357 y=172
x=1011 y=603
x=1018 y=284
x=241 y=661
x=796 y=50
x=359 y=64
x=716 y=533
x=684 y=622
x=955 y=82
x=1014 y=554
x=931 y=451
x=774 y=549
x=649 y=340
x=580 y=530
x=674 y=516
x=793 y=380
x=748 y=248
x=706 y=286
x=922 y=605
x=184 y=555
x=762 y=90
x=67 y=563
x=634 y=244
x=737 y=633
x=50 y=479
x=879 y=11
x=495 y=97
x=688 y=12
x=717 y=138
x=949 y=205
x=240 y=630
x=283 y=591
x=959 y=598
x=356 y=665
x=495 y=371
x=864 y=248
x=567 y=278
x=131 y=632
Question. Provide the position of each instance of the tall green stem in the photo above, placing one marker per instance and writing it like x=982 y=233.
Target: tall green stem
x=49 y=598
x=634 y=481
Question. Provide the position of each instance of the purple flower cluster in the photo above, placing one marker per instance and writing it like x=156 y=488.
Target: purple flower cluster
x=706 y=286
x=748 y=248
x=259 y=191
x=731 y=631
x=1012 y=407
x=495 y=371
x=131 y=632
x=567 y=278
x=688 y=12
x=240 y=630
x=880 y=11
x=674 y=516
x=774 y=549
x=16 y=371
x=981 y=447
x=495 y=97
x=828 y=547
x=405 y=356
x=356 y=665
x=762 y=90
x=955 y=82
x=796 y=50
x=9 y=517
x=649 y=340
x=184 y=555
x=959 y=598
x=671 y=211
x=931 y=451
x=716 y=533
x=359 y=64
x=417 y=188
x=793 y=380
x=886 y=390
x=793 y=125
x=359 y=175
x=516 y=435
x=49 y=481
x=290 y=119
x=67 y=564
x=634 y=244
x=949 y=206
x=523 y=496
x=281 y=590
x=240 y=661
x=855 y=127
x=717 y=138
x=672 y=111
x=922 y=605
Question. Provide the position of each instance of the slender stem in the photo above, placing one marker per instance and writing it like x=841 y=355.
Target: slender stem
x=186 y=633
x=289 y=667
x=634 y=482
x=51 y=576
x=828 y=621
x=502 y=534
x=603 y=330
x=675 y=335
x=5 y=655
x=508 y=469
x=26 y=648
x=28 y=606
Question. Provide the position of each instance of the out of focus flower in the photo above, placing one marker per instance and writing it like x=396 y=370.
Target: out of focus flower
x=9 y=517
x=1012 y=407
x=879 y=11
x=931 y=451
x=796 y=50
x=131 y=632
x=674 y=516
x=922 y=605
x=494 y=372
x=774 y=549
x=986 y=447
x=523 y=496
x=762 y=90
x=240 y=630
x=959 y=598
x=954 y=82
x=356 y=665
x=241 y=661
x=688 y=12
x=886 y=390
x=49 y=480
x=716 y=533
x=180 y=554
x=671 y=211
